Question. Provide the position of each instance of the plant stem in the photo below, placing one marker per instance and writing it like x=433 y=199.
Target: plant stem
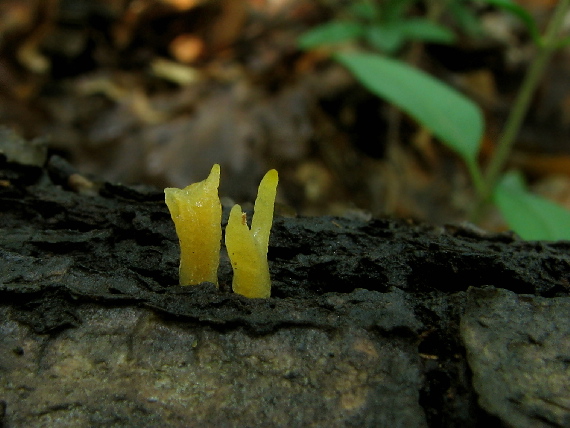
x=522 y=102
x=476 y=176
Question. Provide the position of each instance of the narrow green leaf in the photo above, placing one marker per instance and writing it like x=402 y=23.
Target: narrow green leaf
x=330 y=33
x=522 y=14
x=385 y=38
x=453 y=118
x=466 y=18
x=530 y=216
x=427 y=31
x=366 y=11
x=395 y=10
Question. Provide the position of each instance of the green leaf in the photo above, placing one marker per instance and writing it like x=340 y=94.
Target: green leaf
x=330 y=33
x=427 y=31
x=366 y=11
x=530 y=216
x=522 y=14
x=466 y=18
x=385 y=38
x=453 y=118
x=389 y=37
x=395 y=10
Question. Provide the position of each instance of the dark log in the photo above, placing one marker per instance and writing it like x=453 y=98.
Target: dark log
x=371 y=324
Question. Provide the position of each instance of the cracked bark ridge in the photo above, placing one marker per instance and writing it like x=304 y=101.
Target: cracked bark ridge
x=523 y=375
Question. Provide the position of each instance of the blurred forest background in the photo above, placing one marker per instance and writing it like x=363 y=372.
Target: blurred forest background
x=156 y=91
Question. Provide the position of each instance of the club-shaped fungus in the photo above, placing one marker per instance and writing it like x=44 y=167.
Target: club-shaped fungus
x=247 y=248
x=197 y=215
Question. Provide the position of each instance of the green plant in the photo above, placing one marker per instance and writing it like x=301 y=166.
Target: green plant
x=383 y=26
x=453 y=118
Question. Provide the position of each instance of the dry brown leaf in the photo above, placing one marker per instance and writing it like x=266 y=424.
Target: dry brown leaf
x=186 y=48
x=542 y=164
x=183 y=4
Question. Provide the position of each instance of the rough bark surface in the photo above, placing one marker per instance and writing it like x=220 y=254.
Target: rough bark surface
x=370 y=324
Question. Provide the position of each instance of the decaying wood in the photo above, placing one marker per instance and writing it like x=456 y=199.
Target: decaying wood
x=380 y=323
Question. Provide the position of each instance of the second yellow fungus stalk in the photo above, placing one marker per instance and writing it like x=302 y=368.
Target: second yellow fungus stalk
x=197 y=215
x=247 y=248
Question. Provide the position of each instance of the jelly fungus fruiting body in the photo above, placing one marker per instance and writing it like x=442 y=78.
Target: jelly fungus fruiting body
x=247 y=248
x=197 y=214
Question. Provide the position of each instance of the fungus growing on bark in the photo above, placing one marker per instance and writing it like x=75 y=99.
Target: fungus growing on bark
x=247 y=248
x=197 y=215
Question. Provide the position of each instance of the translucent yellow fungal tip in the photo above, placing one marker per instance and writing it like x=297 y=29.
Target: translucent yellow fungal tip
x=197 y=215
x=247 y=248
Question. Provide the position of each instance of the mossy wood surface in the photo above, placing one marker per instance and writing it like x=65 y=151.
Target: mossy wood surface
x=370 y=324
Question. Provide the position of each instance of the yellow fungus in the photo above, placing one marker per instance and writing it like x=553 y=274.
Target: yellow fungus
x=248 y=248
x=197 y=215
